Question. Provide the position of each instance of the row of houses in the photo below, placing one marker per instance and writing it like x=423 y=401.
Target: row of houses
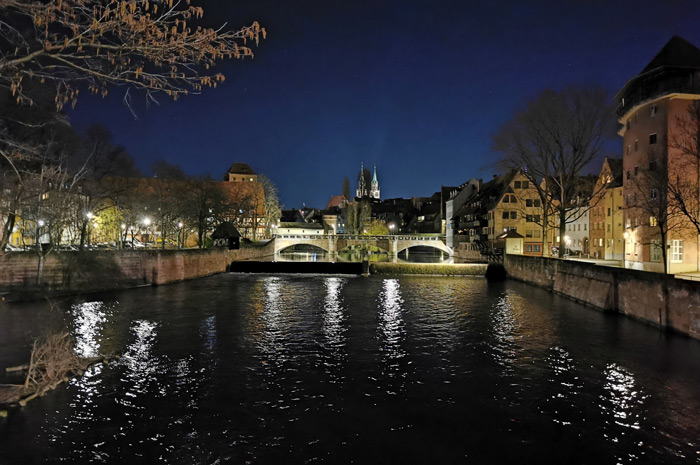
x=643 y=207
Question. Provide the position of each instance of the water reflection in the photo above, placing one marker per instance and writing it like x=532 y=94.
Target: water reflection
x=141 y=365
x=622 y=405
x=333 y=315
x=563 y=404
x=392 y=332
x=503 y=326
x=88 y=321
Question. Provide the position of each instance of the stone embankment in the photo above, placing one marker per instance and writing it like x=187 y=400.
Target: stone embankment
x=93 y=271
x=660 y=300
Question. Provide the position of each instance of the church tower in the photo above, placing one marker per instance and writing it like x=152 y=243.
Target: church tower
x=362 y=190
x=374 y=190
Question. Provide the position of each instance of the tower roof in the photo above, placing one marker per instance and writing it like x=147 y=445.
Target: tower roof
x=374 y=176
x=677 y=53
x=240 y=168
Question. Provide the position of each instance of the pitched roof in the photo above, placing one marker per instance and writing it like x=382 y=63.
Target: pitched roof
x=335 y=201
x=677 y=53
x=240 y=168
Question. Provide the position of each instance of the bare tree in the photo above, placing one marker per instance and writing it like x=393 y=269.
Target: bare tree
x=272 y=207
x=552 y=139
x=684 y=172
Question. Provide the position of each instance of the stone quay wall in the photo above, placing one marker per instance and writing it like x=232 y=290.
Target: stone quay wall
x=657 y=299
x=91 y=271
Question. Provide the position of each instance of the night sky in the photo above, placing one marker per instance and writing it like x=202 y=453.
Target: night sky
x=415 y=87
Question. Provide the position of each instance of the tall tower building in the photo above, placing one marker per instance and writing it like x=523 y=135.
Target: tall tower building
x=362 y=188
x=653 y=110
x=374 y=190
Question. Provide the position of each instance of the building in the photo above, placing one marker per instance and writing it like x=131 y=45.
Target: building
x=368 y=188
x=456 y=200
x=240 y=172
x=607 y=213
x=650 y=108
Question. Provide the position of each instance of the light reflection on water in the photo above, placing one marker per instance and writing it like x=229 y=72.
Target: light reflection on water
x=270 y=369
x=88 y=321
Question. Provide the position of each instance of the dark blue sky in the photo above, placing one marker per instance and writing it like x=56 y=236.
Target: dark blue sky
x=415 y=87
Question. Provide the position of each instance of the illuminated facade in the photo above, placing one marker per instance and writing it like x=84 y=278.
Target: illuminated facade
x=650 y=108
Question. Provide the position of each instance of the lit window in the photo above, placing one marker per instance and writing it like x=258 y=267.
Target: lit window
x=652 y=221
x=676 y=251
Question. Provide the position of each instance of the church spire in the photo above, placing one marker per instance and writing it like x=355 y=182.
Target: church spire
x=374 y=189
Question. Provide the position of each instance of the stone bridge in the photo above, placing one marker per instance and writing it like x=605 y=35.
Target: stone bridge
x=332 y=243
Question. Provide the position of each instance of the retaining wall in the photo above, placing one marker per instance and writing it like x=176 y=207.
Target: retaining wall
x=657 y=299
x=89 y=271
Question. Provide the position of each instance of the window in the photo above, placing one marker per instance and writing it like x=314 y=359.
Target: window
x=528 y=218
x=652 y=139
x=608 y=227
x=600 y=242
x=629 y=149
x=628 y=224
x=653 y=110
x=506 y=215
x=585 y=226
x=526 y=184
x=536 y=247
x=676 y=251
x=528 y=248
x=652 y=221
x=537 y=218
x=513 y=215
x=629 y=174
x=636 y=248
x=629 y=123
x=528 y=202
x=636 y=170
x=607 y=244
x=655 y=251
x=608 y=211
x=636 y=145
x=516 y=184
x=654 y=194
x=506 y=199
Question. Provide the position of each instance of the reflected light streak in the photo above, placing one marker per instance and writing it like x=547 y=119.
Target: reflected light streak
x=141 y=364
x=89 y=318
x=391 y=318
x=333 y=313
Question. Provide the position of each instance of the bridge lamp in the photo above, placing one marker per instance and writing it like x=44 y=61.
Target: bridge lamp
x=146 y=221
x=41 y=223
x=391 y=228
x=89 y=215
x=179 y=224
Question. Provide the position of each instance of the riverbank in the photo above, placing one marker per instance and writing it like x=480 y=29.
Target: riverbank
x=656 y=299
x=66 y=273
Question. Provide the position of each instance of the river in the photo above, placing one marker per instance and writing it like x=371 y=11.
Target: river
x=313 y=369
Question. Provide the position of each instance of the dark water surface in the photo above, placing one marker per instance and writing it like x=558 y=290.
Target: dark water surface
x=298 y=369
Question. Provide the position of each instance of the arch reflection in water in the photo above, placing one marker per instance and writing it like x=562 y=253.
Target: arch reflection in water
x=88 y=321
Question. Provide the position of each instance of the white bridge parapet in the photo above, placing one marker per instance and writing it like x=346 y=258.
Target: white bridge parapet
x=331 y=243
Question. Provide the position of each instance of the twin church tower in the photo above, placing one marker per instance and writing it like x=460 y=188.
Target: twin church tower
x=364 y=181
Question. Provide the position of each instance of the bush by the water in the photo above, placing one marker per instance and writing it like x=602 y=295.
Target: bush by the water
x=428 y=269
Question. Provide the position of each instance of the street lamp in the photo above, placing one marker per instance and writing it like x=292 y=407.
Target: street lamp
x=391 y=228
x=626 y=235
